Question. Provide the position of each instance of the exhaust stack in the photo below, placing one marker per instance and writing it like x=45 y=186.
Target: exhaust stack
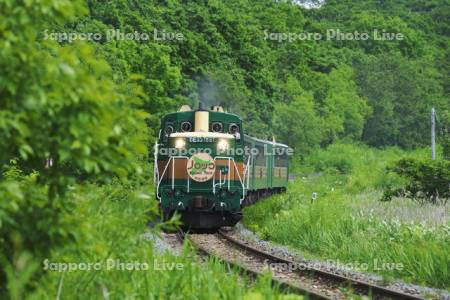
x=201 y=120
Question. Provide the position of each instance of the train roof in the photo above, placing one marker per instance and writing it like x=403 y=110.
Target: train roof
x=186 y=112
x=265 y=141
x=191 y=112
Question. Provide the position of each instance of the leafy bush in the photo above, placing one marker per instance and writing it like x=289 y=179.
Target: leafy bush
x=30 y=227
x=61 y=113
x=427 y=180
x=61 y=116
x=332 y=159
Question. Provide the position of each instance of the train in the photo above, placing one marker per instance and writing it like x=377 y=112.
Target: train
x=207 y=169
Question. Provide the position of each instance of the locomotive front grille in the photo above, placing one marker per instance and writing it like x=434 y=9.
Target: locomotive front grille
x=199 y=202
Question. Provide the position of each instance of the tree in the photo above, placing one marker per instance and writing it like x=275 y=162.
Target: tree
x=295 y=121
x=344 y=111
x=401 y=92
x=61 y=116
x=444 y=120
x=60 y=111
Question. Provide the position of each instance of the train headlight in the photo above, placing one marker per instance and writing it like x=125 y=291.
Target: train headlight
x=223 y=145
x=180 y=143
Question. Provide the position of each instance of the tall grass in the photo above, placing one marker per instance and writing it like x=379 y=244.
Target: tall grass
x=112 y=225
x=337 y=226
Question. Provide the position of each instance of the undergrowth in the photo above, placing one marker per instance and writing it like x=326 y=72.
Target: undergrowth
x=126 y=261
x=338 y=226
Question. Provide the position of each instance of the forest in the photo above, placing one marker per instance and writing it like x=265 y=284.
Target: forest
x=84 y=84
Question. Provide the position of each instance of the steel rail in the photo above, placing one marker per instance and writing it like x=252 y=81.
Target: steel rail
x=373 y=290
x=309 y=293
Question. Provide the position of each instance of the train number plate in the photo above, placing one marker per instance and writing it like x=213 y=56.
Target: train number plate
x=201 y=140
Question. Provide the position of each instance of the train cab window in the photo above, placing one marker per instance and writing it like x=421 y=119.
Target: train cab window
x=186 y=126
x=168 y=129
x=234 y=129
x=217 y=127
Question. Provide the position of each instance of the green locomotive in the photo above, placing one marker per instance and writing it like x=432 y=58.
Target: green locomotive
x=206 y=169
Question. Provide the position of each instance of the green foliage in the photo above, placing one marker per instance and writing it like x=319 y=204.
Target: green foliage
x=444 y=138
x=344 y=110
x=29 y=223
x=427 y=180
x=345 y=158
x=60 y=112
x=62 y=119
x=401 y=79
x=296 y=122
x=112 y=225
x=341 y=113
x=401 y=93
x=376 y=91
x=348 y=224
x=76 y=112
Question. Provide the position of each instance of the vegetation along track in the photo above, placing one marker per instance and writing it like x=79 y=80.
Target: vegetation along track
x=316 y=283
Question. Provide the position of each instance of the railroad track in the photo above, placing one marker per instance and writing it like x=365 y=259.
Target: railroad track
x=298 y=277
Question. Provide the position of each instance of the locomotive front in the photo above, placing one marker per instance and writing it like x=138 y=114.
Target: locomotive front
x=199 y=167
